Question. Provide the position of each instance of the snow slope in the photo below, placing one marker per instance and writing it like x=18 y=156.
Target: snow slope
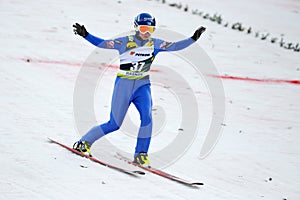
x=258 y=155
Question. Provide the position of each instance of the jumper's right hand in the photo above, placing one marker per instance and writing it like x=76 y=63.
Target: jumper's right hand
x=80 y=30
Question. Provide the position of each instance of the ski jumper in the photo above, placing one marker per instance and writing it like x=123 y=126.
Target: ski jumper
x=132 y=84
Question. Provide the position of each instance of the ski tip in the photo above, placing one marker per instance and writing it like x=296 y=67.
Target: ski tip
x=197 y=183
x=139 y=172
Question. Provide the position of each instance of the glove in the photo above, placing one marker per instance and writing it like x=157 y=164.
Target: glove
x=198 y=33
x=80 y=30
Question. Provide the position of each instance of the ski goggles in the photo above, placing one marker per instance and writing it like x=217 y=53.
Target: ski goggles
x=145 y=29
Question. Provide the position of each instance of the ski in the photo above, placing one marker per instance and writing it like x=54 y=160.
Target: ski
x=126 y=171
x=161 y=173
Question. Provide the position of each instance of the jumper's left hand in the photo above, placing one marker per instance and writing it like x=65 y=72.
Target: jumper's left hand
x=198 y=33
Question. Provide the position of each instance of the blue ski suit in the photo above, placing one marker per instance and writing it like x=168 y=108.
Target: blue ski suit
x=132 y=84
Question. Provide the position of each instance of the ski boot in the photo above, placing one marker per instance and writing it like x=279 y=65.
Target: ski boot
x=142 y=159
x=83 y=147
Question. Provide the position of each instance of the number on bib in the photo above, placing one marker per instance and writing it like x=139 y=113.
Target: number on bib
x=137 y=66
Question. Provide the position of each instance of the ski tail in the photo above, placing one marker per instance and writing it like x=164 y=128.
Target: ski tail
x=117 y=168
